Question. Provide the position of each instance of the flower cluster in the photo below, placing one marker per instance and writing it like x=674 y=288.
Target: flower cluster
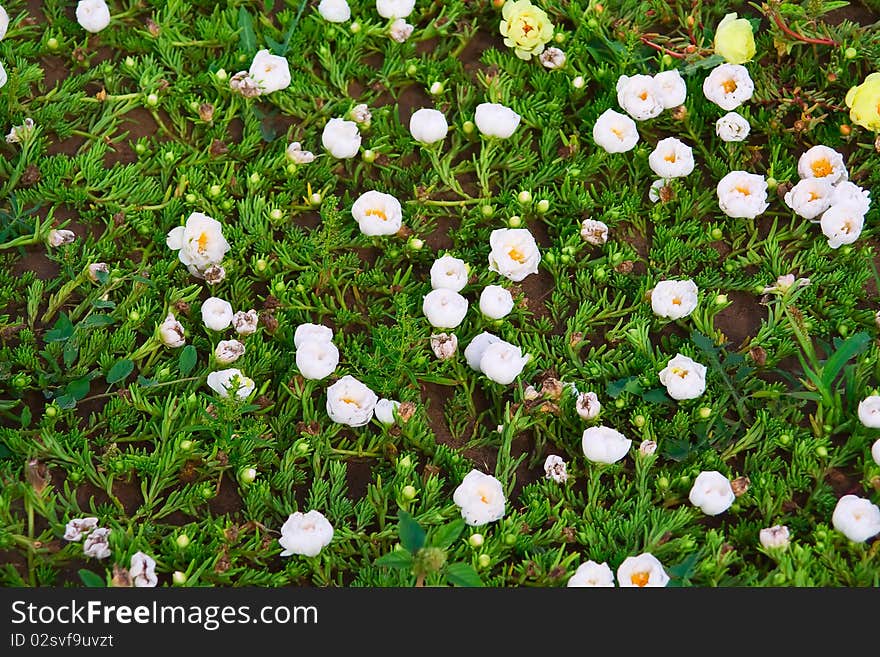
x=97 y=539
x=640 y=571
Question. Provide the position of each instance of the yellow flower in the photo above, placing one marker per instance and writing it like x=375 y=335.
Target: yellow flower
x=525 y=28
x=864 y=103
x=734 y=40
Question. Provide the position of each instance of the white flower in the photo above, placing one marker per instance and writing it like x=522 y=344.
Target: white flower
x=741 y=194
x=377 y=213
x=595 y=232
x=4 y=23
x=592 y=574
x=875 y=451
x=671 y=158
x=449 y=272
x=785 y=283
x=654 y=189
x=849 y=192
x=199 y=243
x=604 y=445
x=774 y=537
x=552 y=58
x=473 y=353
x=395 y=8
x=587 y=405
x=216 y=313
x=810 y=197
x=270 y=72
x=728 y=86
x=869 y=412
x=674 y=299
x=3 y=76
x=684 y=378
x=92 y=15
x=638 y=97
x=480 y=498
x=171 y=332
x=856 y=518
x=97 y=544
x=842 y=224
x=644 y=570
x=297 y=155
x=361 y=114
x=341 y=138
x=495 y=120
x=228 y=351
x=308 y=331
x=514 y=253
x=385 y=409
x=428 y=126
x=143 y=570
x=400 y=30
x=225 y=381
x=712 y=493
x=60 y=237
x=822 y=162
x=317 y=359
x=670 y=88
x=335 y=11
x=615 y=132
x=79 y=527
x=245 y=323
x=502 y=362
x=555 y=469
x=444 y=308
x=350 y=402
x=444 y=345
x=495 y=302
x=305 y=533
x=732 y=127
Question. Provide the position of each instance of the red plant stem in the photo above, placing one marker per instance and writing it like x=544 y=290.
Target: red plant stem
x=800 y=37
x=665 y=51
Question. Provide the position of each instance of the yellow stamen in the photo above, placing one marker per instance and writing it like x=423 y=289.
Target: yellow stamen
x=203 y=241
x=349 y=400
x=676 y=301
x=729 y=86
x=374 y=212
x=640 y=579
x=745 y=191
x=670 y=157
x=517 y=255
x=680 y=373
x=821 y=167
x=617 y=132
x=643 y=95
x=813 y=196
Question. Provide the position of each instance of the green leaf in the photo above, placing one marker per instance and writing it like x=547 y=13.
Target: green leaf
x=398 y=559
x=70 y=353
x=95 y=321
x=247 y=38
x=851 y=347
x=709 y=62
x=614 y=388
x=187 y=361
x=78 y=388
x=120 y=370
x=412 y=536
x=656 y=396
x=100 y=304
x=463 y=574
x=62 y=330
x=65 y=402
x=26 y=417
x=144 y=382
x=446 y=535
x=90 y=579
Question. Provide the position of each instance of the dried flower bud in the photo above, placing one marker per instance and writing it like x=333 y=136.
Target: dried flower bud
x=244 y=84
x=740 y=485
x=37 y=475
x=121 y=577
x=60 y=237
x=647 y=447
x=405 y=411
x=552 y=388
x=97 y=268
x=152 y=27
x=245 y=323
x=214 y=274
x=587 y=405
x=594 y=232
x=444 y=345
x=206 y=112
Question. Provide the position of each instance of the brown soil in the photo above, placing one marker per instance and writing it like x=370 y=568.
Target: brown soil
x=741 y=320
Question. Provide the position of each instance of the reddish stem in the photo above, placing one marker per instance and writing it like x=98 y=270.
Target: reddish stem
x=800 y=37
x=665 y=51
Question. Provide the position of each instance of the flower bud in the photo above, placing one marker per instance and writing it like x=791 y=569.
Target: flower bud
x=484 y=561
x=468 y=127
x=850 y=53
x=354 y=28
x=52 y=43
x=222 y=75
x=247 y=475
x=186 y=445
x=315 y=199
x=543 y=206
x=215 y=190
x=408 y=492
x=436 y=88
x=152 y=100
x=178 y=578
x=182 y=541
x=411 y=70
x=515 y=221
x=476 y=540
x=369 y=156
x=578 y=82
x=524 y=197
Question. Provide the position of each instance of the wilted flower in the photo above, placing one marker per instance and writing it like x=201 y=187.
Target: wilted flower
x=449 y=272
x=732 y=127
x=341 y=138
x=223 y=382
x=592 y=574
x=674 y=299
x=444 y=308
x=480 y=498
x=671 y=158
x=775 y=537
x=810 y=197
x=587 y=405
x=684 y=378
x=305 y=533
x=216 y=313
x=742 y=195
x=143 y=570
x=869 y=411
x=552 y=58
x=385 y=409
x=97 y=544
x=428 y=126
x=647 y=447
x=555 y=469
x=228 y=351
x=495 y=120
x=92 y=15
x=199 y=243
x=270 y=72
x=350 y=402
x=361 y=114
x=638 y=97
x=473 y=353
x=444 y=345
x=60 y=237
x=670 y=88
x=603 y=444
x=658 y=190
x=712 y=493
x=595 y=232
x=502 y=362
x=514 y=253
x=734 y=39
x=19 y=133
x=377 y=213
x=244 y=84
x=97 y=268
x=297 y=155
x=214 y=274
x=317 y=359
x=641 y=571
x=864 y=103
x=495 y=302
x=856 y=518
x=728 y=86
x=842 y=224
x=37 y=474
x=615 y=132
x=785 y=283
x=245 y=323
x=395 y=8
x=334 y=11
x=525 y=28
x=822 y=162
x=308 y=331
x=171 y=332
x=79 y=527
x=400 y=30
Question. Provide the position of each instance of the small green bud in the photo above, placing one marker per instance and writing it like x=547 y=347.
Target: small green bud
x=290 y=168
x=315 y=199
x=565 y=258
x=182 y=541
x=524 y=197
x=302 y=448
x=639 y=421
x=186 y=445
x=227 y=204
x=408 y=492
x=772 y=183
x=484 y=561
x=152 y=100
x=411 y=70
x=850 y=53
x=543 y=206
x=51 y=410
x=599 y=273
x=578 y=82
x=663 y=483
x=436 y=88
x=170 y=156
x=487 y=211
x=476 y=540
x=134 y=316
x=354 y=28
x=299 y=288
x=369 y=156
x=514 y=221
x=140 y=149
x=468 y=127
x=190 y=198
x=52 y=43
x=785 y=439
x=276 y=214
x=705 y=412
x=666 y=59
x=261 y=265
x=254 y=178
x=720 y=299
x=178 y=578
x=280 y=286
x=404 y=462
x=716 y=234
x=416 y=244
x=248 y=475
x=510 y=539
x=822 y=451
x=620 y=402
x=222 y=75
x=215 y=190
